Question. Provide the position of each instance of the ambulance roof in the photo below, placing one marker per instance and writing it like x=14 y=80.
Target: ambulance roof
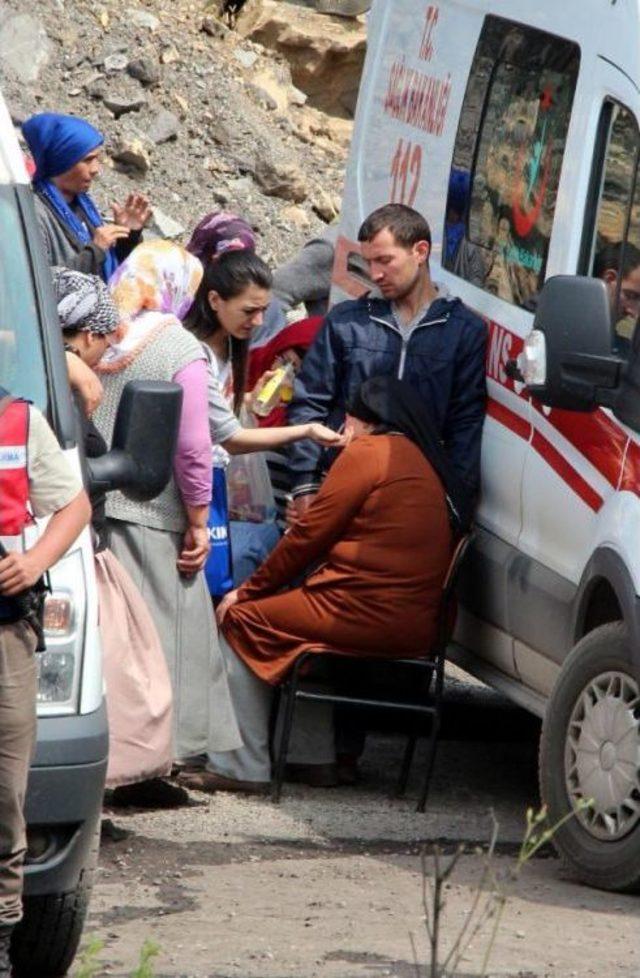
x=609 y=29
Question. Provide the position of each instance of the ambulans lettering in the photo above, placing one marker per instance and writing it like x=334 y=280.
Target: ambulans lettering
x=500 y=343
x=417 y=99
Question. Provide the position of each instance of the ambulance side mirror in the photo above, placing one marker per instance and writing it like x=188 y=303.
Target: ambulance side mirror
x=140 y=462
x=567 y=360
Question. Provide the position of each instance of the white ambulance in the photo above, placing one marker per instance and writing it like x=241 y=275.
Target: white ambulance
x=513 y=127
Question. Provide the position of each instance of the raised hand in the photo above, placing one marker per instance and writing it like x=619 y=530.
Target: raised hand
x=134 y=214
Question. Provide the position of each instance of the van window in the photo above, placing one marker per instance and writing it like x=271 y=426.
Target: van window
x=615 y=240
x=22 y=370
x=507 y=160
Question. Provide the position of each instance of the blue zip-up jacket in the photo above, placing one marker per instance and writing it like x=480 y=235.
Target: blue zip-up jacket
x=442 y=357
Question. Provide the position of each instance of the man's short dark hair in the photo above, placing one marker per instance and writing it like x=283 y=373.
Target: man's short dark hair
x=622 y=258
x=406 y=225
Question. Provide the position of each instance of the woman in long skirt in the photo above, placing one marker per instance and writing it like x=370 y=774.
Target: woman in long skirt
x=164 y=543
x=139 y=698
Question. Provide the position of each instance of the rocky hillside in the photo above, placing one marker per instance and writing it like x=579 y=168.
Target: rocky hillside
x=196 y=114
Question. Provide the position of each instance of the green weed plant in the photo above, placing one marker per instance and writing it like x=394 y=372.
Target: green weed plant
x=489 y=898
x=90 y=963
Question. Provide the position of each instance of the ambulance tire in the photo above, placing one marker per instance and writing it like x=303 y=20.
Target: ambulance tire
x=604 y=863
x=46 y=941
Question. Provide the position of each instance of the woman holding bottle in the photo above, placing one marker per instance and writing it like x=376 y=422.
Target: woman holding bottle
x=230 y=305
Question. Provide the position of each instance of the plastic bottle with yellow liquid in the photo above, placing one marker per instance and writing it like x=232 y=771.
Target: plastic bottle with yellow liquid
x=276 y=390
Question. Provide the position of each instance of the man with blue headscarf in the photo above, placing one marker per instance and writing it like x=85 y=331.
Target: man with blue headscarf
x=67 y=154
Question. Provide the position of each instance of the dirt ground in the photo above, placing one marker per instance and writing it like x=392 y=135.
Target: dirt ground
x=329 y=883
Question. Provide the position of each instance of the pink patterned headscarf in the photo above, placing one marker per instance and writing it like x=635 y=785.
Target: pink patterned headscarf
x=154 y=286
x=218 y=232
x=158 y=276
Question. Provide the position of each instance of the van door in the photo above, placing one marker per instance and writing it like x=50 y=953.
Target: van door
x=575 y=462
x=507 y=161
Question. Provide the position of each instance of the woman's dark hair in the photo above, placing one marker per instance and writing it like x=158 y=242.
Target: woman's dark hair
x=228 y=275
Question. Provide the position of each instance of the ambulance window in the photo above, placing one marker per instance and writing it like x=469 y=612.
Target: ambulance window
x=507 y=160
x=615 y=240
x=22 y=369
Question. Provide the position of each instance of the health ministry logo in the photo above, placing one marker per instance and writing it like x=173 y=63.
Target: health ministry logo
x=533 y=170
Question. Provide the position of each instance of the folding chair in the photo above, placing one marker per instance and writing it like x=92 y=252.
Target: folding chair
x=432 y=664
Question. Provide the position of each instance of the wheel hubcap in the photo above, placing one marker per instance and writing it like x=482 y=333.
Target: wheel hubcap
x=602 y=755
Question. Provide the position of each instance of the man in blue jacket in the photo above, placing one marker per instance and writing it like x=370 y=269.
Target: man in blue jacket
x=433 y=342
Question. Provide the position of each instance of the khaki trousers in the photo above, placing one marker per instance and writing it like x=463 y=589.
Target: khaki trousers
x=17 y=741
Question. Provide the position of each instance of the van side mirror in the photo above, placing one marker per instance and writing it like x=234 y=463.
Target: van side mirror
x=568 y=360
x=140 y=462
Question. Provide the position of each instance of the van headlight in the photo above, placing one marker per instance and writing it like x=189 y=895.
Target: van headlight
x=60 y=664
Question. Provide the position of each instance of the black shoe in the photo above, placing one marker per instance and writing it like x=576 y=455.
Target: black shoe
x=5 y=947
x=156 y=793
x=115 y=833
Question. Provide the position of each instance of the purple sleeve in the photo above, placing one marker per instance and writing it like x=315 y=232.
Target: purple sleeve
x=192 y=463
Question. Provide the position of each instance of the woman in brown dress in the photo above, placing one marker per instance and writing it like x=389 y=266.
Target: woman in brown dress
x=379 y=541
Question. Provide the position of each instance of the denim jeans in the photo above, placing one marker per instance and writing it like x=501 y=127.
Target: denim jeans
x=250 y=544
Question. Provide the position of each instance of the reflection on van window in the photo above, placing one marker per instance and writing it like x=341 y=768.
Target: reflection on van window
x=513 y=124
x=22 y=369
x=615 y=253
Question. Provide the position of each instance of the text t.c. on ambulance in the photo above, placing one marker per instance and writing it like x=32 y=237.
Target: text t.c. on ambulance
x=513 y=127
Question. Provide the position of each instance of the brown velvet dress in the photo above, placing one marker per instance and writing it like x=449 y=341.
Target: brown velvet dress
x=378 y=538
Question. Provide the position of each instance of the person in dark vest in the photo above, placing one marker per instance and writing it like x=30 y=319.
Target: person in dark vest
x=36 y=480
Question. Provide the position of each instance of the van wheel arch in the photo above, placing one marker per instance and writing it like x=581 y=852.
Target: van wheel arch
x=606 y=593
x=601 y=607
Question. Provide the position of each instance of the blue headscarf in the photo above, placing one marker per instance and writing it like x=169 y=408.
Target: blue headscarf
x=57 y=142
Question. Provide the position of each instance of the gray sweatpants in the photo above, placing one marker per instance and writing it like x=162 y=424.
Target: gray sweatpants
x=312 y=735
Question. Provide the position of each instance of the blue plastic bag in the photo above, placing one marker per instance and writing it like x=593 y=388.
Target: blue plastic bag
x=219 y=569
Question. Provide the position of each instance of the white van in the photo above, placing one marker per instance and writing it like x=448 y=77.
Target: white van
x=529 y=113
x=66 y=781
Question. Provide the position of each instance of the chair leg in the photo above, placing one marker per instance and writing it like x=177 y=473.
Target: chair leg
x=409 y=751
x=288 y=700
x=431 y=756
x=276 y=703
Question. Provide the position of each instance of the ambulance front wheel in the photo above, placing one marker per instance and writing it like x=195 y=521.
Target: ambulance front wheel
x=45 y=942
x=590 y=761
